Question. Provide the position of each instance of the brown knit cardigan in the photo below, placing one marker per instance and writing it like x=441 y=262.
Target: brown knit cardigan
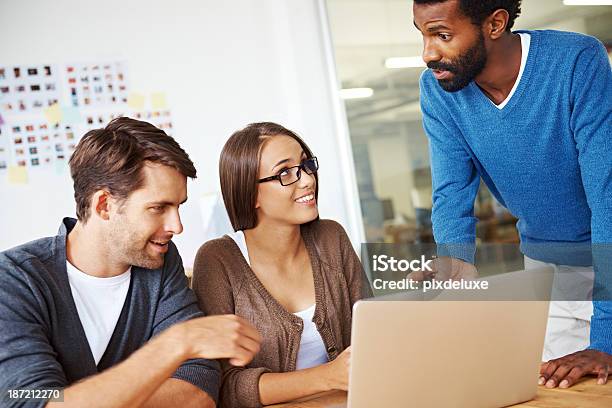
x=224 y=283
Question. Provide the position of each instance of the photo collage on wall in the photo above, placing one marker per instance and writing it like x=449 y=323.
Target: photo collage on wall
x=36 y=143
x=160 y=118
x=46 y=109
x=25 y=89
x=4 y=157
x=97 y=84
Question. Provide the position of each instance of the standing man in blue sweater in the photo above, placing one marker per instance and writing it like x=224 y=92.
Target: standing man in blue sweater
x=530 y=113
x=102 y=310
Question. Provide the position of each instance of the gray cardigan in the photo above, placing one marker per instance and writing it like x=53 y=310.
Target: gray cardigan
x=42 y=341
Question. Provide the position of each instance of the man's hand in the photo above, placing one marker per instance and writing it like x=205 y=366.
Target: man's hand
x=144 y=374
x=214 y=337
x=446 y=268
x=566 y=371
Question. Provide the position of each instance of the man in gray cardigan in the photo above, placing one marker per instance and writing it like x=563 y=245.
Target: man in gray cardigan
x=103 y=310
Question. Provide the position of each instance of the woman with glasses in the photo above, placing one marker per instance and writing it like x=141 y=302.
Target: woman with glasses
x=294 y=276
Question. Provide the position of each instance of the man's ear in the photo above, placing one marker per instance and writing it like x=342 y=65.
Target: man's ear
x=100 y=204
x=496 y=23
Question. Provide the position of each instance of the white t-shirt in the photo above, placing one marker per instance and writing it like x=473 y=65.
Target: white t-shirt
x=99 y=302
x=240 y=240
x=525 y=44
x=312 y=349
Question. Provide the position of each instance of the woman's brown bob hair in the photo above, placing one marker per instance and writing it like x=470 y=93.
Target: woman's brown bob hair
x=239 y=170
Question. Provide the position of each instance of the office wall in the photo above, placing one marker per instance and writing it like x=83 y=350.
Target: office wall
x=222 y=64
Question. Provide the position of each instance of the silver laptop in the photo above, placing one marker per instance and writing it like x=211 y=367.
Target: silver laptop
x=463 y=349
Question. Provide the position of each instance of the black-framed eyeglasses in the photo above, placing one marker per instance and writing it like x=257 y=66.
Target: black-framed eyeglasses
x=290 y=175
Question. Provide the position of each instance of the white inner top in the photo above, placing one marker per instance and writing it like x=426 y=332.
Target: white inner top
x=240 y=240
x=312 y=350
x=525 y=43
x=99 y=302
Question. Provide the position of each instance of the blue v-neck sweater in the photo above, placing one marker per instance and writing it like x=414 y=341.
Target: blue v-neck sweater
x=546 y=156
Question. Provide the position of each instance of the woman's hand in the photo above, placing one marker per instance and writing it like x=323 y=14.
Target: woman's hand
x=337 y=371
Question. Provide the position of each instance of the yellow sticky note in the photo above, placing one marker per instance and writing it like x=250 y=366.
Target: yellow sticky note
x=53 y=114
x=158 y=101
x=136 y=101
x=17 y=175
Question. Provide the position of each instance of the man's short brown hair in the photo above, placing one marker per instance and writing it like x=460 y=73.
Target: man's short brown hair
x=112 y=159
x=239 y=170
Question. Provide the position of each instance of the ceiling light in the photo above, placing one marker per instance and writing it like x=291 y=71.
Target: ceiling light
x=356 y=93
x=405 y=62
x=587 y=2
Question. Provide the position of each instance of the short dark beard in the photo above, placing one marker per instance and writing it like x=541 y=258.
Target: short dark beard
x=465 y=68
x=130 y=246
